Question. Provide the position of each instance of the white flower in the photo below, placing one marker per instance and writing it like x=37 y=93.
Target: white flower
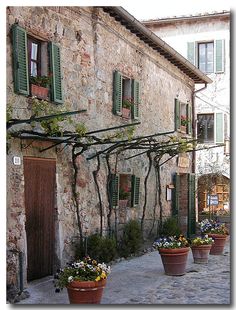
x=70 y=279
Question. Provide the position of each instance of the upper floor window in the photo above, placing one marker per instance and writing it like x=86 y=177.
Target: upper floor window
x=30 y=59
x=207 y=56
x=183 y=117
x=34 y=57
x=125 y=96
x=210 y=128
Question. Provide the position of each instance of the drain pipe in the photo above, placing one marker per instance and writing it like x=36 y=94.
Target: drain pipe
x=195 y=124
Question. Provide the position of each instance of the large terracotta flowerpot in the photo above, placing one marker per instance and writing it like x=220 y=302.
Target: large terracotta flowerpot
x=85 y=292
x=126 y=113
x=39 y=91
x=174 y=260
x=201 y=253
x=218 y=245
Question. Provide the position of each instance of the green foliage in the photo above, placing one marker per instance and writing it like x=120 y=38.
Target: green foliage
x=9 y=113
x=131 y=240
x=101 y=248
x=81 y=129
x=170 y=227
x=42 y=81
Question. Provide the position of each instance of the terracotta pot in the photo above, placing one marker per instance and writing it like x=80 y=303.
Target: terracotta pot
x=86 y=292
x=201 y=253
x=174 y=261
x=125 y=113
x=218 y=245
x=39 y=91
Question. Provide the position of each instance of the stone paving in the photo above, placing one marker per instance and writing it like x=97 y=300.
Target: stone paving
x=141 y=280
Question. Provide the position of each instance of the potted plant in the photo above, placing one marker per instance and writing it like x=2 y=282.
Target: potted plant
x=84 y=279
x=201 y=247
x=218 y=232
x=174 y=252
x=123 y=197
x=39 y=86
x=126 y=107
x=183 y=122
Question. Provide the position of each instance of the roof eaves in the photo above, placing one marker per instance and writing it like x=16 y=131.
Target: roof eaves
x=157 y=43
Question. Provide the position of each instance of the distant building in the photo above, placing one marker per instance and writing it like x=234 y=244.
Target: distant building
x=204 y=40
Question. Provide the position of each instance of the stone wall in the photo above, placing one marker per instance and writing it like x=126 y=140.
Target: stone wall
x=93 y=45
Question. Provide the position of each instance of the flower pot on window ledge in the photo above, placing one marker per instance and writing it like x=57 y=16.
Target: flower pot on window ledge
x=125 y=113
x=183 y=128
x=39 y=91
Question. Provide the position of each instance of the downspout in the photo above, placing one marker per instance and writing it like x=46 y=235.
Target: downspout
x=195 y=137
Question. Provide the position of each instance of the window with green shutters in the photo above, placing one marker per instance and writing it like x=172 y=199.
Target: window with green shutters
x=183 y=117
x=126 y=96
x=210 y=128
x=124 y=187
x=25 y=63
x=209 y=56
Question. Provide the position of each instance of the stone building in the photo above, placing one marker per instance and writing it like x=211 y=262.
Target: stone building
x=59 y=189
x=204 y=39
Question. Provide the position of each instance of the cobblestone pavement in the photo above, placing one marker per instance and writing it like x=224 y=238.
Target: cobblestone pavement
x=141 y=280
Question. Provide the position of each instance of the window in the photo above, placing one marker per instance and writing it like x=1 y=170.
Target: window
x=30 y=58
x=34 y=57
x=207 y=56
x=210 y=128
x=205 y=128
x=183 y=117
x=124 y=187
x=125 y=96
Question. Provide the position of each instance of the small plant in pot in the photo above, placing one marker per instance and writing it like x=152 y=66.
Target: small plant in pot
x=201 y=247
x=218 y=232
x=39 y=86
x=84 y=279
x=174 y=252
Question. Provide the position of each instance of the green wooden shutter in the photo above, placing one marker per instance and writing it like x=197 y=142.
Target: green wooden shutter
x=219 y=130
x=135 y=191
x=189 y=117
x=177 y=114
x=175 y=200
x=117 y=93
x=20 y=60
x=191 y=205
x=135 y=96
x=55 y=68
x=219 y=56
x=114 y=190
x=191 y=53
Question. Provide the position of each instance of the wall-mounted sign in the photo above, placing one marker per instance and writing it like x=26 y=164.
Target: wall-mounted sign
x=16 y=160
x=212 y=200
x=183 y=162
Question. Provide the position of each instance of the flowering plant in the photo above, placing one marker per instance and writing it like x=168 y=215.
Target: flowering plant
x=171 y=242
x=202 y=240
x=42 y=80
x=127 y=102
x=213 y=227
x=184 y=120
x=82 y=270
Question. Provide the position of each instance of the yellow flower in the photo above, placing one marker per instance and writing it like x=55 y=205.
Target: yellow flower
x=103 y=275
x=98 y=278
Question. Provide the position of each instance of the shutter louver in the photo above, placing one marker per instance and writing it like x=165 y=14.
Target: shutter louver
x=219 y=56
x=135 y=96
x=135 y=191
x=191 y=53
x=55 y=67
x=191 y=205
x=189 y=118
x=175 y=202
x=114 y=190
x=20 y=60
x=177 y=114
x=219 y=128
x=117 y=93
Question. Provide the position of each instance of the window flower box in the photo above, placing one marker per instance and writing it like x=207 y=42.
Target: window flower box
x=39 y=91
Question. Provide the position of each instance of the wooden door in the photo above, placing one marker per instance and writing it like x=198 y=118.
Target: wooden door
x=39 y=177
